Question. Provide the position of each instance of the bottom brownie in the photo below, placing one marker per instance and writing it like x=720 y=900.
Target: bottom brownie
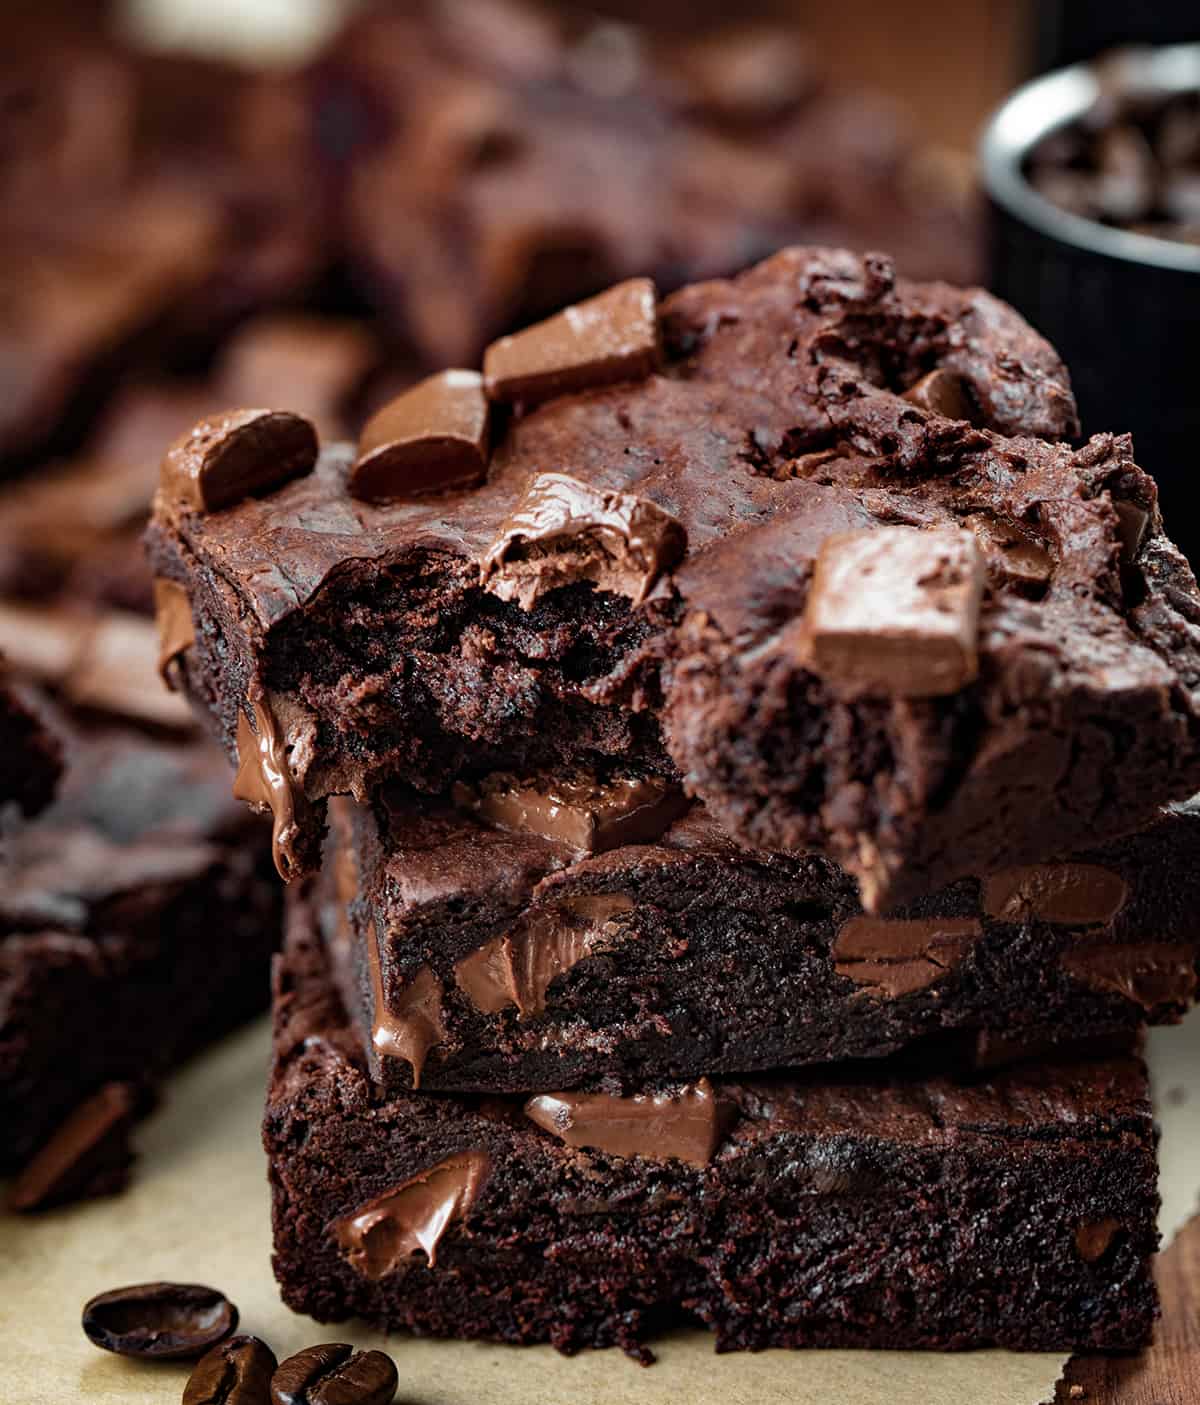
x=857 y=1208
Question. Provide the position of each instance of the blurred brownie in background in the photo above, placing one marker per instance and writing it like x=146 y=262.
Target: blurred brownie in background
x=494 y=161
x=146 y=204
x=30 y=756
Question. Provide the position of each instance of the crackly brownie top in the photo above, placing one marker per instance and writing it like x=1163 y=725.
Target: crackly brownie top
x=740 y=448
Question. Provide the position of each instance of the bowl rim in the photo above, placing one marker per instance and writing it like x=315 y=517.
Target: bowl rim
x=1042 y=106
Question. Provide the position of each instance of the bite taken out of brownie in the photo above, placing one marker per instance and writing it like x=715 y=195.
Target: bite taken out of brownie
x=882 y=1209
x=810 y=540
x=511 y=958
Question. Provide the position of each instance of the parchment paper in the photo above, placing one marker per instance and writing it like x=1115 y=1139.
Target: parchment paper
x=198 y=1211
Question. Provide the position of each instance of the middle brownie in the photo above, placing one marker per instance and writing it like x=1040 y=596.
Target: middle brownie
x=504 y=956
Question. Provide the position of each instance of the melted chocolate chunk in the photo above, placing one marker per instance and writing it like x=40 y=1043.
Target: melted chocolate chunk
x=1011 y=553
x=564 y=531
x=431 y=439
x=895 y=611
x=176 y=630
x=687 y=1124
x=611 y=337
x=382 y=1236
x=1066 y=894
x=519 y=967
x=264 y=780
x=228 y=457
x=898 y=956
x=88 y=1155
x=1152 y=974
x=581 y=809
x=941 y=392
x=409 y=1026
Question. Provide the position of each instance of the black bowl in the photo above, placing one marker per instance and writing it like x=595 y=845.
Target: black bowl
x=1122 y=308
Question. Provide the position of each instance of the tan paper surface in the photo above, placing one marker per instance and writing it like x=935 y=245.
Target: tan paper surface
x=198 y=1211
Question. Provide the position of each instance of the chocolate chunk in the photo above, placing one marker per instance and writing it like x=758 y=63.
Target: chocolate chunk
x=941 y=392
x=237 y=1372
x=264 y=780
x=176 y=631
x=1150 y=974
x=581 y=809
x=1093 y=1237
x=408 y=1027
x=1066 y=894
x=688 y=1124
x=895 y=611
x=383 y=1235
x=898 y=956
x=611 y=337
x=227 y=457
x=519 y=967
x=431 y=439
x=88 y=1155
x=565 y=531
x=1011 y=553
x=1132 y=522
x=159 y=1321
x=333 y=1373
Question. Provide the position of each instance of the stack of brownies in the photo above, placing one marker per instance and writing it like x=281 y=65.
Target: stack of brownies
x=712 y=697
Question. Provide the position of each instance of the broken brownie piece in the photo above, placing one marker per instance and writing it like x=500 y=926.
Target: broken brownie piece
x=660 y=571
x=588 y=931
x=858 y=1208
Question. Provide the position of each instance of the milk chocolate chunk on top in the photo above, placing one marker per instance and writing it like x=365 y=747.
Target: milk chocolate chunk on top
x=687 y=1124
x=895 y=611
x=431 y=439
x=227 y=457
x=611 y=337
x=1066 y=894
x=590 y=812
x=565 y=531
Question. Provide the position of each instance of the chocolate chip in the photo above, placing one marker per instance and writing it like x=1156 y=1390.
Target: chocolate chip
x=89 y=1154
x=333 y=1373
x=941 y=392
x=1018 y=558
x=895 y=611
x=431 y=439
x=159 y=1321
x=611 y=337
x=228 y=457
x=1065 y=894
x=237 y=1372
x=564 y=531
x=1093 y=1237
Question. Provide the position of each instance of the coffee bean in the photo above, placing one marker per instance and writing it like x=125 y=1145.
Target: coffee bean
x=333 y=1373
x=237 y=1372
x=160 y=1321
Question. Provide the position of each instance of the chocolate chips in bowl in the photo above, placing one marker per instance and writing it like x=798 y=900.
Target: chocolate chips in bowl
x=1093 y=180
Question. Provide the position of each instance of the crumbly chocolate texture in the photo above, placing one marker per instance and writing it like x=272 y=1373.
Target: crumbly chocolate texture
x=538 y=955
x=137 y=918
x=501 y=160
x=779 y=421
x=859 y=1209
x=32 y=756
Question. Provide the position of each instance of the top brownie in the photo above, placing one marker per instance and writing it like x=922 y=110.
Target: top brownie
x=809 y=541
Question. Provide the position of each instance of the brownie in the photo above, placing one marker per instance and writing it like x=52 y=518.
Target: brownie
x=509 y=959
x=648 y=545
x=32 y=756
x=493 y=161
x=882 y=1209
x=146 y=204
x=74 y=526
x=137 y=918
